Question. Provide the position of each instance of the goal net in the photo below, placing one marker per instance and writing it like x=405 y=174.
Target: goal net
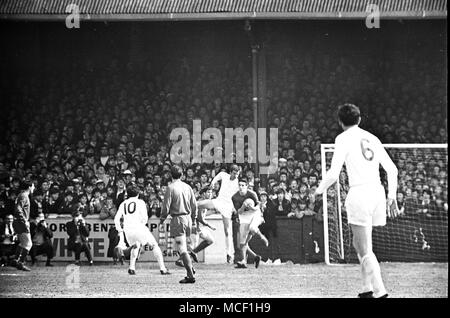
x=420 y=232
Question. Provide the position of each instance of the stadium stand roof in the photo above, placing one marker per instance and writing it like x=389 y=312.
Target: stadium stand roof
x=220 y=9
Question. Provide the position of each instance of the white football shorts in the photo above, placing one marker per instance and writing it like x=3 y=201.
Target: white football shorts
x=140 y=234
x=366 y=205
x=249 y=222
x=225 y=207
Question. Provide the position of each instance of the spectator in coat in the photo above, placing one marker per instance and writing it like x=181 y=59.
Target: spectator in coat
x=113 y=236
x=41 y=236
x=36 y=204
x=8 y=240
x=108 y=210
x=79 y=238
x=83 y=206
x=281 y=204
x=68 y=206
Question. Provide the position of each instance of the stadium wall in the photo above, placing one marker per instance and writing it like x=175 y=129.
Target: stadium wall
x=99 y=240
x=299 y=240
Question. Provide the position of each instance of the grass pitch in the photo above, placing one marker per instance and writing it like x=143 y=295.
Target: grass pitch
x=402 y=280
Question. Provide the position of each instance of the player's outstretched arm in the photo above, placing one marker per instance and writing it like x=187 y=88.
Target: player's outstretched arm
x=216 y=179
x=392 y=175
x=336 y=165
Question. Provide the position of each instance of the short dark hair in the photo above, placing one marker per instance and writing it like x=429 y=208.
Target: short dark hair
x=176 y=172
x=25 y=184
x=243 y=179
x=132 y=190
x=349 y=114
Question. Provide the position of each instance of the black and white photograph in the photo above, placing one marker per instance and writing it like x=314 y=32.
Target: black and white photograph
x=222 y=154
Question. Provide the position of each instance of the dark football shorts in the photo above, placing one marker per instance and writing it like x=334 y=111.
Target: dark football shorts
x=180 y=225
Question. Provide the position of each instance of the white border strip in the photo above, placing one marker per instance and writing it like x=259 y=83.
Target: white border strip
x=400 y=146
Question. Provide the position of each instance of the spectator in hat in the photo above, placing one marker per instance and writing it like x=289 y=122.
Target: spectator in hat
x=8 y=240
x=78 y=188
x=282 y=163
x=127 y=177
x=78 y=241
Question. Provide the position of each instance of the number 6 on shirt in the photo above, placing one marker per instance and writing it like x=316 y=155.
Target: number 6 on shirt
x=365 y=149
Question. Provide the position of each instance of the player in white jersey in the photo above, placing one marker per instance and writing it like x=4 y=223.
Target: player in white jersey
x=365 y=204
x=134 y=213
x=223 y=204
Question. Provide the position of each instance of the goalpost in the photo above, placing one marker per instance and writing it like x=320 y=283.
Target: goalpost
x=420 y=232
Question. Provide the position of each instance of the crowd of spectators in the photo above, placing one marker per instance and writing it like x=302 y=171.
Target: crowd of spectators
x=83 y=137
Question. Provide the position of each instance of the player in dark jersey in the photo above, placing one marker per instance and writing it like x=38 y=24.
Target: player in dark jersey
x=246 y=204
x=22 y=224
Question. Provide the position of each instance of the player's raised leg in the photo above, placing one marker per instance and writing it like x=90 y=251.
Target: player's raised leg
x=205 y=204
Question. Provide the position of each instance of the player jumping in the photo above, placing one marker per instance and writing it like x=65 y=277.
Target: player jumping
x=223 y=204
x=362 y=154
x=246 y=203
x=135 y=217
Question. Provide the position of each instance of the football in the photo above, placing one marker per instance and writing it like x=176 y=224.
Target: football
x=249 y=203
